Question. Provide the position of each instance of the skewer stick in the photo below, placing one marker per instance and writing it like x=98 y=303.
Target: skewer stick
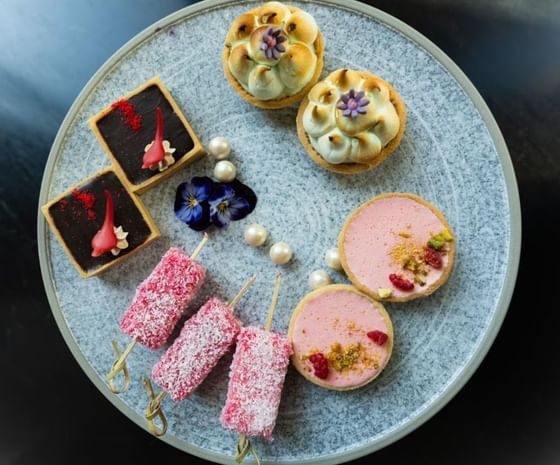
x=242 y=291
x=154 y=409
x=273 y=302
x=244 y=445
x=199 y=247
x=120 y=366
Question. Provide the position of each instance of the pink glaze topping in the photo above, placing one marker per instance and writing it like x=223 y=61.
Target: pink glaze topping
x=375 y=231
x=256 y=379
x=161 y=299
x=341 y=316
x=203 y=341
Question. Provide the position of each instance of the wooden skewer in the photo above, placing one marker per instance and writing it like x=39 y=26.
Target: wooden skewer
x=119 y=365
x=199 y=247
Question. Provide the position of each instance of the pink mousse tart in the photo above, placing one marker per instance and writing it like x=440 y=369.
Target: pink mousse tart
x=342 y=339
x=397 y=247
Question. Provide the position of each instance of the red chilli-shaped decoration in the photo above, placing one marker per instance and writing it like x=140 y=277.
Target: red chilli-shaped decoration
x=156 y=152
x=105 y=239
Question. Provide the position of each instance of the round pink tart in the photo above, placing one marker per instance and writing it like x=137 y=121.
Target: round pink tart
x=397 y=247
x=341 y=338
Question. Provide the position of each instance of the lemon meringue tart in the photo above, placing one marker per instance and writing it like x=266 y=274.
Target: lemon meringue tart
x=351 y=121
x=273 y=55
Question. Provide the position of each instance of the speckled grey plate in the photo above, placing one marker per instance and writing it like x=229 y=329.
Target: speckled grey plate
x=452 y=154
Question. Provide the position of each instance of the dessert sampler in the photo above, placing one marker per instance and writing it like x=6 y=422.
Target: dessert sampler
x=395 y=247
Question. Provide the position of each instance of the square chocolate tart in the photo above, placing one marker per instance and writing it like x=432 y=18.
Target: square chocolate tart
x=125 y=146
x=77 y=215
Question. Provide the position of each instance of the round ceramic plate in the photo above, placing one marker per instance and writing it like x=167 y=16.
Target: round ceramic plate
x=452 y=154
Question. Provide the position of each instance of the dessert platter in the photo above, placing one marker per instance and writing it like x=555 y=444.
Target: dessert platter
x=279 y=233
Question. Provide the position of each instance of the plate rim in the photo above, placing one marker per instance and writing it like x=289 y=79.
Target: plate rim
x=514 y=250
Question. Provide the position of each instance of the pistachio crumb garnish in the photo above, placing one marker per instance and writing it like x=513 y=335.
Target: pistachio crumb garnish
x=405 y=235
x=384 y=293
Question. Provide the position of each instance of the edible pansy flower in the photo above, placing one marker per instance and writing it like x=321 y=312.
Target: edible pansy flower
x=271 y=43
x=226 y=205
x=353 y=103
x=191 y=202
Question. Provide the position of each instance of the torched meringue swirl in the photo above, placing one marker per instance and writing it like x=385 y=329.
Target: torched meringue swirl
x=350 y=117
x=272 y=53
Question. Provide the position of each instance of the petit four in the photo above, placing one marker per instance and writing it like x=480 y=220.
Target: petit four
x=397 y=247
x=342 y=339
x=99 y=223
x=273 y=55
x=146 y=135
x=351 y=121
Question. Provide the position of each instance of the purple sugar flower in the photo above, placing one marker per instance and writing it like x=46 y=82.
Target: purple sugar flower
x=271 y=43
x=353 y=103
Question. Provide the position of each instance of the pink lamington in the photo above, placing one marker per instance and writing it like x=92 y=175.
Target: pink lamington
x=203 y=341
x=161 y=299
x=255 y=382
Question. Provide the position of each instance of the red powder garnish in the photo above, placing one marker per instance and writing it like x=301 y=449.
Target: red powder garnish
x=63 y=204
x=128 y=111
x=87 y=200
x=379 y=337
x=105 y=239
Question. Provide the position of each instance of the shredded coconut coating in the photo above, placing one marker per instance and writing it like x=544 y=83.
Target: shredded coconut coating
x=256 y=378
x=161 y=299
x=203 y=341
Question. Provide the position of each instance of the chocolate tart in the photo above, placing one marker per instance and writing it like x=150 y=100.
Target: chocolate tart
x=125 y=141
x=76 y=215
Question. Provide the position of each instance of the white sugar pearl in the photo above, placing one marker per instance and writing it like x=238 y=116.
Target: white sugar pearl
x=280 y=253
x=319 y=278
x=225 y=171
x=255 y=235
x=219 y=148
x=332 y=259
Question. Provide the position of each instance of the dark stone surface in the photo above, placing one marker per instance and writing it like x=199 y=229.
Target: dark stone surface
x=507 y=414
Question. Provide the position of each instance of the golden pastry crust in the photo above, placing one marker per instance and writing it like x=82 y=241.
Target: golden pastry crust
x=297 y=363
x=196 y=152
x=353 y=168
x=154 y=230
x=373 y=292
x=285 y=101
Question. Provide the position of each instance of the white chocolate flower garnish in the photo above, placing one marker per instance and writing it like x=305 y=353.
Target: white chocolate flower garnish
x=168 y=158
x=350 y=117
x=122 y=243
x=272 y=52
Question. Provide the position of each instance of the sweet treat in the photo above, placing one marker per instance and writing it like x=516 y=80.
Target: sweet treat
x=273 y=55
x=397 y=247
x=342 y=339
x=162 y=298
x=203 y=341
x=99 y=223
x=146 y=135
x=255 y=382
x=351 y=121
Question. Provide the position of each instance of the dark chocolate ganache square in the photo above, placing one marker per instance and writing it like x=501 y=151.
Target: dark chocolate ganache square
x=80 y=214
x=127 y=145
